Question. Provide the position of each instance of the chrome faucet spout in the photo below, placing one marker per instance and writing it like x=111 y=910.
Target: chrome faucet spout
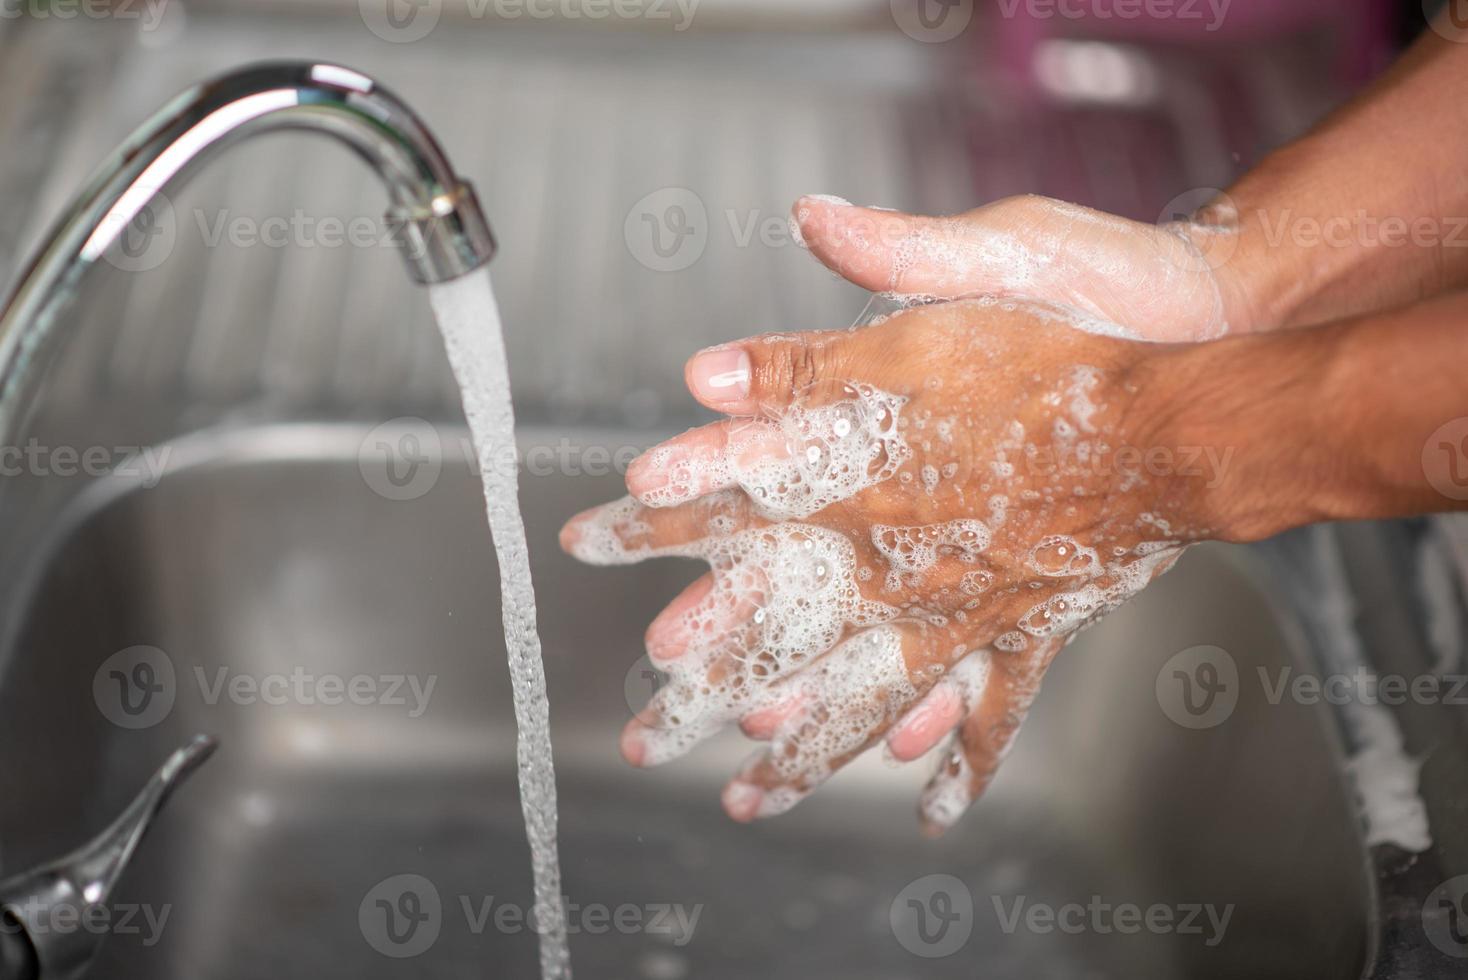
x=31 y=947
x=442 y=230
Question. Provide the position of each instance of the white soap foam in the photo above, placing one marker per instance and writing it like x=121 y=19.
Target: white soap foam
x=801 y=214
x=1111 y=585
x=1061 y=556
x=976 y=583
x=1012 y=642
x=911 y=551
x=861 y=686
x=949 y=794
x=800 y=463
x=782 y=595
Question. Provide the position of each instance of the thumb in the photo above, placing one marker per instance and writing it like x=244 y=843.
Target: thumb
x=766 y=374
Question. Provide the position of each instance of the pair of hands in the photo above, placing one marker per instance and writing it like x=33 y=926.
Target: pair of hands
x=906 y=522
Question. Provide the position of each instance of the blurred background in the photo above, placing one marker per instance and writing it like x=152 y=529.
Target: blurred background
x=637 y=167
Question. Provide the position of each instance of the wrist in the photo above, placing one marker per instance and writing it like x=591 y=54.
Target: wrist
x=1246 y=287
x=1265 y=271
x=1237 y=417
x=1316 y=243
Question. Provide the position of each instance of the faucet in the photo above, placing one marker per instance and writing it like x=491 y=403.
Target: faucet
x=435 y=214
x=32 y=946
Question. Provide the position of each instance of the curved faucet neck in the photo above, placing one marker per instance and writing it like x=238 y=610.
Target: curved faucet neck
x=442 y=229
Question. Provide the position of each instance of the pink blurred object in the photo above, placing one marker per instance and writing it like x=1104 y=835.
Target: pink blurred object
x=1123 y=104
x=1361 y=28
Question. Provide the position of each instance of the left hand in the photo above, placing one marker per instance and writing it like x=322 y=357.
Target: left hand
x=1171 y=282
x=904 y=524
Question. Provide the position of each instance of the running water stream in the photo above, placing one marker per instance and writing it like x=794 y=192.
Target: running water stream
x=470 y=323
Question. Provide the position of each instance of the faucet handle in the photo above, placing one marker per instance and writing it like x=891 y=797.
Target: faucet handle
x=29 y=949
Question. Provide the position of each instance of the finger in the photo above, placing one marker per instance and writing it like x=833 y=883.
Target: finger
x=766 y=374
x=812 y=456
x=762 y=724
x=891 y=252
x=624 y=531
x=941 y=710
x=670 y=633
x=1021 y=246
x=849 y=699
x=986 y=735
x=704 y=460
x=781 y=597
x=689 y=711
x=716 y=616
x=668 y=728
x=698 y=641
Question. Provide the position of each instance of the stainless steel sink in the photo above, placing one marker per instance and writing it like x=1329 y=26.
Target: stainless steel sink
x=266 y=551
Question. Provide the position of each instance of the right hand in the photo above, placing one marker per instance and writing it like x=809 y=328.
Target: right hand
x=903 y=524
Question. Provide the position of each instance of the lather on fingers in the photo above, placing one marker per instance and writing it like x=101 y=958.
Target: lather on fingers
x=886 y=504
x=996 y=710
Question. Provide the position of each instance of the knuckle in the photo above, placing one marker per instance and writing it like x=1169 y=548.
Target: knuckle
x=806 y=367
x=1034 y=203
x=796 y=366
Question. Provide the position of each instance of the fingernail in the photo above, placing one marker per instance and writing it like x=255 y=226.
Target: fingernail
x=651 y=471
x=761 y=725
x=778 y=802
x=828 y=199
x=576 y=541
x=800 y=213
x=947 y=796
x=931 y=830
x=720 y=376
x=665 y=637
x=634 y=749
x=741 y=800
x=571 y=535
x=925 y=724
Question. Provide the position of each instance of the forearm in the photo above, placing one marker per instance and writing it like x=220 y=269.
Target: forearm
x=1368 y=211
x=1354 y=420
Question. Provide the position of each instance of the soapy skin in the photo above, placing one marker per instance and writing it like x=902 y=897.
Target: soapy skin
x=953 y=471
x=1167 y=282
x=905 y=523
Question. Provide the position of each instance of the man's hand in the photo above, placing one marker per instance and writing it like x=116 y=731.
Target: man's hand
x=1168 y=282
x=904 y=524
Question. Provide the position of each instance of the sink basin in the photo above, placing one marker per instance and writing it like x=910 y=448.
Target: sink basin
x=267 y=553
